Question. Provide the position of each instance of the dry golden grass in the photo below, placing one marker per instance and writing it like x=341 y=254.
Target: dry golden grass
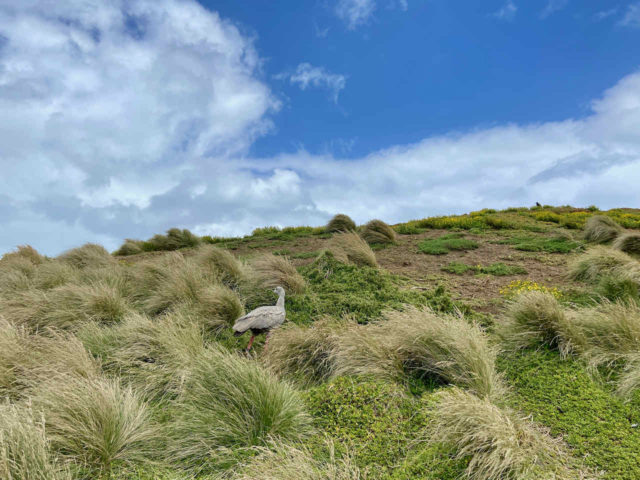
x=25 y=453
x=274 y=270
x=340 y=223
x=628 y=243
x=446 y=348
x=230 y=404
x=95 y=422
x=27 y=359
x=89 y=255
x=53 y=273
x=282 y=462
x=304 y=354
x=601 y=228
x=155 y=356
x=349 y=247
x=378 y=232
x=498 y=442
x=599 y=262
x=534 y=318
x=222 y=264
x=66 y=307
x=26 y=252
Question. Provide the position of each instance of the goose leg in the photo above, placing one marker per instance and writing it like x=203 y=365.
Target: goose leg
x=250 y=343
x=266 y=341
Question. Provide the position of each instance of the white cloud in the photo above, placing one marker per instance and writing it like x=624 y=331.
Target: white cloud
x=632 y=16
x=122 y=119
x=306 y=75
x=355 y=13
x=604 y=14
x=552 y=7
x=507 y=11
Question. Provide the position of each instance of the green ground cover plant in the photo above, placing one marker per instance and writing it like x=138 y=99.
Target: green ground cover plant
x=497 y=269
x=446 y=243
x=529 y=243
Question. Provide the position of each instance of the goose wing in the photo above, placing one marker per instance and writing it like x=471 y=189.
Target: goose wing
x=260 y=318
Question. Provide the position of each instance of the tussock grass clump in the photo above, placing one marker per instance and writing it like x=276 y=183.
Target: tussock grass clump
x=607 y=333
x=53 y=273
x=89 y=255
x=349 y=247
x=27 y=359
x=24 y=448
x=129 y=247
x=26 y=252
x=597 y=262
x=154 y=356
x=628 y=243
x=340 y=223
x=175 y=283
x=499 y=443
x=66 y=307
x=272 y=271
x=284 y=462
x=444 y=348
x=376 y=232
x=304 y=354
x=601 y=229
x=173 y=240
x=629 y=380
x=535 y=317
x=229 y=404
x=95 y=422
x=222 y=264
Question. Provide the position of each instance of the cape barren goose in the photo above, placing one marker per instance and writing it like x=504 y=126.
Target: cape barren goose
x=262 y=319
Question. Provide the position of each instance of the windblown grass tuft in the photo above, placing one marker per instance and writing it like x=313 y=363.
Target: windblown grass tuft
x=533 y=318
x=272 y=271
x=25 y=452
x=628 y=243
x=283 y=462
x=376 y=232
x=89 y=255
x=597 y=262
x=230 y=404
x=340 y=223
x=601 y=229
x=304 y=354
x=95 y=422
x=498 y=442
x=222 y=264
x=442 y=348
x=349 y=247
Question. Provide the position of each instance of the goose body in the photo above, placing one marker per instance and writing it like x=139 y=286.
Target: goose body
x=262 y=319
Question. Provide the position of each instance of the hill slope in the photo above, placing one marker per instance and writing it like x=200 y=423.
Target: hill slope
x=492 y=345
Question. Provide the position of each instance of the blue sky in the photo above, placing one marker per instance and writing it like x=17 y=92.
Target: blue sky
x=125 y=118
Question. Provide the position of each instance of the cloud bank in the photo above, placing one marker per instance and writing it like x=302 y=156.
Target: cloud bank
x=124 y=118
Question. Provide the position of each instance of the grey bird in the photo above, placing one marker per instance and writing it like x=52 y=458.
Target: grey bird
x=262 y=319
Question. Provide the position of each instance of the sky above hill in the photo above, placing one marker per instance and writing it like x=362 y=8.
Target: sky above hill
x=123 y=118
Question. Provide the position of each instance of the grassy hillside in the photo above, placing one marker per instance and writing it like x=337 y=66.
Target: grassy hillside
x=492 y=345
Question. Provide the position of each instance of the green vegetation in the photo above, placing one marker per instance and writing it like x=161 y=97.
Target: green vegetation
x=338 y=289
x=127 y=368
x=446 y=243
x=498 y=269
x=557 y=244
x=561 y=395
